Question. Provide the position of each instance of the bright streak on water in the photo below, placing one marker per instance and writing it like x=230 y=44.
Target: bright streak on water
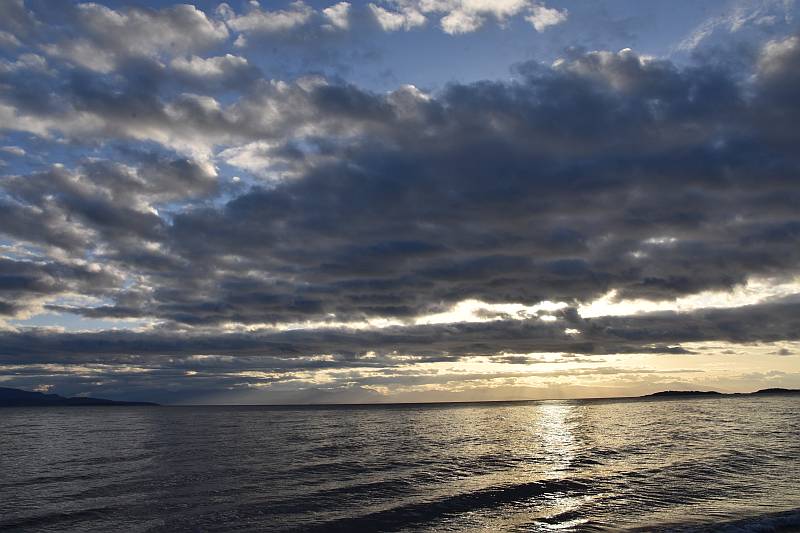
x=540 y=466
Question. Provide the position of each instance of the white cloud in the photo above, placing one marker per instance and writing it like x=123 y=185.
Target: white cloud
x=13 y=150
x=463 y=16
x=8 y=39
x=755 y=291
x=25 y=62
x=743 y=15
x=110 y=35
x=254 y=157
x=775 y=53
x=178 y=28
x=479 y=311
x=84 y=53
x=212 y=67
x=461 y=22
x=406 y=19
x=338 y=15
x=261 y=21
x=542 y=17
x=225 y=12
x=43 y=126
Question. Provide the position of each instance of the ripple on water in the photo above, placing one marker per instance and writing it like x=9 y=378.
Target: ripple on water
x=542 y=466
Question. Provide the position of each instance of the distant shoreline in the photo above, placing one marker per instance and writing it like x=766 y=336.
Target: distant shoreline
x=661 y=395
x=22 y=398
x=712 y=393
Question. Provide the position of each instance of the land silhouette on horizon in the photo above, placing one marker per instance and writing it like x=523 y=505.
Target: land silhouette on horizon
x=684 y=393
x=10 y=397
x=22 y=398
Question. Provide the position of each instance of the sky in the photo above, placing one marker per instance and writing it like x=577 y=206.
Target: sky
x=398 y=201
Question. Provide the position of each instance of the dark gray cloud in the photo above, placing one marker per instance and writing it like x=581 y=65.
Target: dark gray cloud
x=25 y=284
x=647 y=333
x=185 y=366
x=604 y=171
x=17 y=20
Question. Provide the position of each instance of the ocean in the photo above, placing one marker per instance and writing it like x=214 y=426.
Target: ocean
x=704 y=464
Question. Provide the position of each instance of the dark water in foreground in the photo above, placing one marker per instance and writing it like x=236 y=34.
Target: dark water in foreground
x=546 y=466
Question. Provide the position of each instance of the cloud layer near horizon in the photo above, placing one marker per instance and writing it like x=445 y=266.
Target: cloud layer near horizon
x=216 y=206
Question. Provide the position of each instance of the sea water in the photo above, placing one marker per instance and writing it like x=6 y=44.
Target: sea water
x=729 y=463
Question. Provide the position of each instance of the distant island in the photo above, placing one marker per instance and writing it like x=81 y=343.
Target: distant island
x=670 y=393
x=777 y=391
x=23 y=398
x=685 y=393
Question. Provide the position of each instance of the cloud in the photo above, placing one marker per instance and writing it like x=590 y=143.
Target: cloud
x=392 y=206
x=394 y=359
x=13 y=150
x=338 y=15
x=24 y=285
x=463 y=16
x=542 y=17
x=25 y=62
x=8 y=39
x=16 y=22
x=740 y=21
x=228 y=71
x=659 y=333
x=213 y=67
x=776 y=54
x=257 y=20
x=406 y=19
x=109 y=36
x=357 y=215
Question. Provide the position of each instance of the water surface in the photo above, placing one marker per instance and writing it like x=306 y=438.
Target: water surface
x=688 y=464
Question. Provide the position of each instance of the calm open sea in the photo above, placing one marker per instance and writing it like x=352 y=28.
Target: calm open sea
x=730 y=464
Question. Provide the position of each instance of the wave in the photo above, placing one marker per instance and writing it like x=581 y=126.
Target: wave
x=58 y=518
x=417 y=513
x=776 y=522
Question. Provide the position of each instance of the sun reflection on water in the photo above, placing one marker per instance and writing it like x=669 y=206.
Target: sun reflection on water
x=553 y=427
